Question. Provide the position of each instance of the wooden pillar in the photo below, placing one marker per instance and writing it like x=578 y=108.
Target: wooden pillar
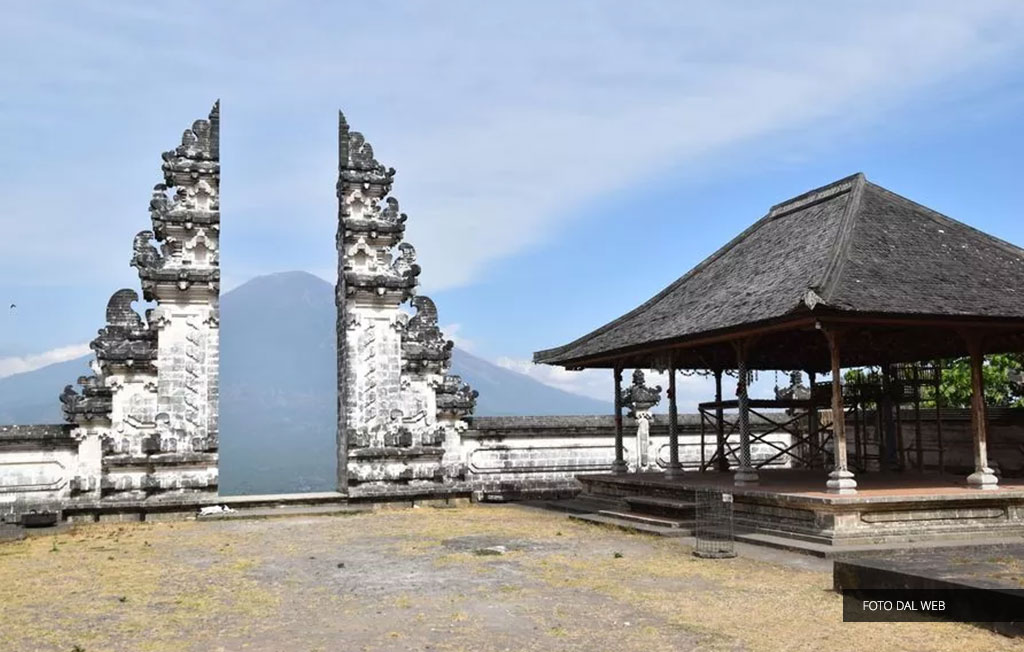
x=938 y=416
x=918 y=438
x=814 y=450
x=840 y=479
x=745 y=474
x=723 y=461
x=619 y=465
x=983 y=476
x=891 y=454
x=675 y=469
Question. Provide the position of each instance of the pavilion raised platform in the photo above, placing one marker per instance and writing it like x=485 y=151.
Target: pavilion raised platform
x=888 y=508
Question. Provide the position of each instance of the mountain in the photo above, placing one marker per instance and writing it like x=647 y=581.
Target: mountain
x=278 y=398
x=509 y=393
x=31 y=397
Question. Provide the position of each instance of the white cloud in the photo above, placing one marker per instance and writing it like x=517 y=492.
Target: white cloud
x=21 y=364
x=501 y=125
x=452 y=332
x=595 y=383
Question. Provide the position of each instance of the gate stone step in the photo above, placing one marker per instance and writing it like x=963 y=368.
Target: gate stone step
x=285 y=511
x=584 y=504
x=642 y=518
x=681 y=509
x=632 y=525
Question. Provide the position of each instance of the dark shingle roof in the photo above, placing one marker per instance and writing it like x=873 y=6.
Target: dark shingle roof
x=850 y=246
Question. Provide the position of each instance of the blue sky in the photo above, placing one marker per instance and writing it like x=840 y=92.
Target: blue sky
x=560 y=162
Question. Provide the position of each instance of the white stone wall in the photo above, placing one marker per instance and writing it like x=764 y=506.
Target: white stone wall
x=39 y=466
x=374 y=355
x=37 y=475
x=515 y=456
x=133 y=410
x=187 y=366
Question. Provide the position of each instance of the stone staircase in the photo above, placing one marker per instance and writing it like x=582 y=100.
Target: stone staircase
x=660 y=515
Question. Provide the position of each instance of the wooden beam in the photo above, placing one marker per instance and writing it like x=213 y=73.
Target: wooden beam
x=725 y=337
x=800 y=321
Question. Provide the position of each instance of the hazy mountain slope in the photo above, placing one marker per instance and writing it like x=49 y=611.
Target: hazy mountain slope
x=278 y=392
x=509 y=393
x=278 y=397
x=31 y=397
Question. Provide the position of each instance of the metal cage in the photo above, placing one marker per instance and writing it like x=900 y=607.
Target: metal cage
x=713 y=528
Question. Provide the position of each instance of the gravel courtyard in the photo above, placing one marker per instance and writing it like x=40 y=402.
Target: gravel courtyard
x=417 y=579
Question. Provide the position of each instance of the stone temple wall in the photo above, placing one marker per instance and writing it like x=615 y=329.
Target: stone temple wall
x=143 y=426
x=509 y=458
x=400 y=411
x=142 y=429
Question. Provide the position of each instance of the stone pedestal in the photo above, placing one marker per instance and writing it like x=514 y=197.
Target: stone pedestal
x=643 y=439
x=984 y=478
x=841 y=482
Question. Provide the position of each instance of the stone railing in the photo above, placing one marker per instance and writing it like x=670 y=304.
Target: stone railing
x=517 y=457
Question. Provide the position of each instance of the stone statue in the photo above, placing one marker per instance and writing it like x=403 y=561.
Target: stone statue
x=640 y=398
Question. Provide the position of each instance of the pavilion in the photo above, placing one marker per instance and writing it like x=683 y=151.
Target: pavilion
x=847 y=275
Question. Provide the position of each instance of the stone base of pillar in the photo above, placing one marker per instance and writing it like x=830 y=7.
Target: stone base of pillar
x=841 y=482
x=619 y=466
x=983 y=479
x=745 y=476
x=674 y=470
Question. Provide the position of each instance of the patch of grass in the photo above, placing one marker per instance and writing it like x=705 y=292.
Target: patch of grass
x=228 y=584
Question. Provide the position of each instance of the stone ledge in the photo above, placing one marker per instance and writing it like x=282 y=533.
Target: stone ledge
x=392 y=452
x=56 y=432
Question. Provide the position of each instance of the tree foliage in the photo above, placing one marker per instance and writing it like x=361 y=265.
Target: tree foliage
x=1003 y=374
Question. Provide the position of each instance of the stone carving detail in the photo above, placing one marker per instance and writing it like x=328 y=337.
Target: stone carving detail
x=796 y=390
x=145 y=254
x=154 y=392
x=94 y=402
x=424 y=347
x=455 y=397
x=639 y=399
x=125 y=339
x=396 y=399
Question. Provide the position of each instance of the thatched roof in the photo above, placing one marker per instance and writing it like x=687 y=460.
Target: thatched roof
x=848 y=248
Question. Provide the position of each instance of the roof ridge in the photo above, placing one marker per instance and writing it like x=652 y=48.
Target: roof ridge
x=814 y=196
x=834 y=269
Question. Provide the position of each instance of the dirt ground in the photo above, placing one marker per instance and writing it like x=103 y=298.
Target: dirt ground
x=414 y=579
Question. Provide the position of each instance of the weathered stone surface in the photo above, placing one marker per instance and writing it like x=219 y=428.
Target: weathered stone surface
x=144 y=425
x=395 y=395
